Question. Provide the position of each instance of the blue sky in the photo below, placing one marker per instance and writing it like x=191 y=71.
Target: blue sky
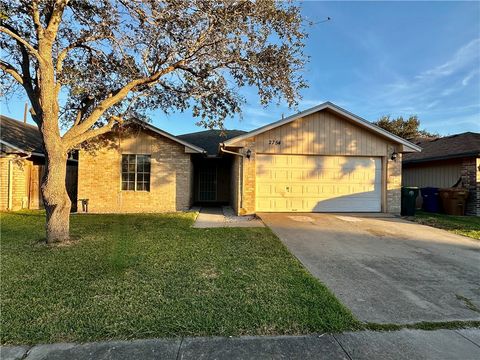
x=374 y=59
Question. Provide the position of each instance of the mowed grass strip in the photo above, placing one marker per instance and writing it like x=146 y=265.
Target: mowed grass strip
x=461 y=225
x=143 y=276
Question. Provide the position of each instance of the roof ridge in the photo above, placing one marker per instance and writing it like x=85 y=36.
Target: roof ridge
x=207 y=130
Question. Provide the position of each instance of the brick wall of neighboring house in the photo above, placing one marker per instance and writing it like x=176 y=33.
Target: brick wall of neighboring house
x=471 y=181
x=99 y=175
x=394 y=185
x=20 y=183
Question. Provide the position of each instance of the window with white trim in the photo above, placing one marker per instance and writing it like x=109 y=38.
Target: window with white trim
x=135 y=172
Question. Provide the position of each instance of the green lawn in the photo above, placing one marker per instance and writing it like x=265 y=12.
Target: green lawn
x=142 y=276
x=462 y=225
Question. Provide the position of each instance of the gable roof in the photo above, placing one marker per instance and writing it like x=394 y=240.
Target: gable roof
x=336 y=109
x=177 y=139
x=449 y=147
x=210 y=140
x=19 y=137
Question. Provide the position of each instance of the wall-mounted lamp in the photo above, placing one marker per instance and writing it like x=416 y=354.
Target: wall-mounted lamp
x=249 y=153
x=394 y=156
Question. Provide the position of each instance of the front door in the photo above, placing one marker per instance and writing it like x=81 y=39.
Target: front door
x=207 y=183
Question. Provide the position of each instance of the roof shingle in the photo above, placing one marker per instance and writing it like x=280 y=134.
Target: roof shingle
x=449 y=147
x=210 y=139
x=23 y=136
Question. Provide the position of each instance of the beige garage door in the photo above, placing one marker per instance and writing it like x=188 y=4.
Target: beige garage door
x=307 y=183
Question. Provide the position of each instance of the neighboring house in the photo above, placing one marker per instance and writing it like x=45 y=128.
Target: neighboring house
x=322 y=159
x=445 y=162
x=22 y=163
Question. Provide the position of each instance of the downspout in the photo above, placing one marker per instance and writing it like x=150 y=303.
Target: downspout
x=222 y=149
x=10 y=179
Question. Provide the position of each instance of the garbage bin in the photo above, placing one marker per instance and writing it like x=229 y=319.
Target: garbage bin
x=453 y=200
x=409 y=196
x=431 y=200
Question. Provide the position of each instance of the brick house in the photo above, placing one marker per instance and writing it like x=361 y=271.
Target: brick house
x=22 y=164
x=322 y=159
x=445 y=162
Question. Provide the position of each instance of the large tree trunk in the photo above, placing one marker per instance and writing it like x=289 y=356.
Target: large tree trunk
x=55 y=197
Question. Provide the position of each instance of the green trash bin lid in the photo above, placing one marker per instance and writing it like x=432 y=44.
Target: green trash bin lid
x=410 y=191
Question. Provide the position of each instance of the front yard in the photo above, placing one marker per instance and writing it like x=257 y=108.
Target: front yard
x=461 y=225
x=142 y=276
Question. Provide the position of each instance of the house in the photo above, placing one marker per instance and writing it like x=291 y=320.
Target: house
x=322 y=159
x=445 y=162
x=22 y=164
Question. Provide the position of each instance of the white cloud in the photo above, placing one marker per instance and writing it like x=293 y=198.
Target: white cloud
x=469 y=77
x=465 y=56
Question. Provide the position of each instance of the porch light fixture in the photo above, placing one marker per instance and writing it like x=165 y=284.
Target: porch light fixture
x=248 y=153
x=394 y=156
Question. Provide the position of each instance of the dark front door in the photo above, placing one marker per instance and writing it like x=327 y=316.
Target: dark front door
x=207 y=183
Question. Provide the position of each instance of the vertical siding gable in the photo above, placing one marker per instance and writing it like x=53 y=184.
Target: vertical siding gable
x=321 y=133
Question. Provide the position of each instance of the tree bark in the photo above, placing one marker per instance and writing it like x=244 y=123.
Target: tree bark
x=55 y=198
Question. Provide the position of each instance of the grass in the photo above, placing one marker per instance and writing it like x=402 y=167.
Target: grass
x=424 y=325
x=461 y=225
x=143 y=276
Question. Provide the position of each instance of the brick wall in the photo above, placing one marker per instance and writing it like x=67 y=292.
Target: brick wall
x=394 y=185
x=20 y=183
x=249 y=177
x=99 y=175
x=471 y=181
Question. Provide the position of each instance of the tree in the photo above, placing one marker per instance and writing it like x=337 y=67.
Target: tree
x=407 y=129
x=87 y=65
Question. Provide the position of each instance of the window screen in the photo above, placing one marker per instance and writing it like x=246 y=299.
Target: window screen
x=136 y=172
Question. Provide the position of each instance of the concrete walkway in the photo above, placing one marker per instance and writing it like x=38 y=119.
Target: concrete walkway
x=404 y=344
x=223 y=216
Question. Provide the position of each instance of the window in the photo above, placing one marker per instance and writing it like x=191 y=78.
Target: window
x=136 y=172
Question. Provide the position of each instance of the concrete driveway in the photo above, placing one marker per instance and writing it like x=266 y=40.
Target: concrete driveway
x=385 y=269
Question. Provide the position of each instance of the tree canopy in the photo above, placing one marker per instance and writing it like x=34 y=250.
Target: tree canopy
x=115 y=59
x=408 y=129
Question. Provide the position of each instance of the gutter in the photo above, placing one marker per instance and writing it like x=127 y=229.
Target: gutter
x=222 y=149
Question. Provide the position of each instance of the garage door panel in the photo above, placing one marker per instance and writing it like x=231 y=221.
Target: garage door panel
x=318 y=183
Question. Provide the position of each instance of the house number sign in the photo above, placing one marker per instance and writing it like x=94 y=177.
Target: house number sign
x=274 y=142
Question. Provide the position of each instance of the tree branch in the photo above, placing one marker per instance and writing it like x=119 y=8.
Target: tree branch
x=55 y=18
x=76 y=44
x=14 y=35
x=90 y=134
x=9 y=69
x=113 y=98
x=36 y=19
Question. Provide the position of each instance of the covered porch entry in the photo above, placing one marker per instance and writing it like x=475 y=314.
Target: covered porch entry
x=212 y=180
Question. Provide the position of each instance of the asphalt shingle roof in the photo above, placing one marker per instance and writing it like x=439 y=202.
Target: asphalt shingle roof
x=21 y=135
x=449 y=147
x=210 y=139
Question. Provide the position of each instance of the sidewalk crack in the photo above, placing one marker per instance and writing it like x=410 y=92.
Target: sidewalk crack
x=340 y=344
x=179 y=348
x=473 y=342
